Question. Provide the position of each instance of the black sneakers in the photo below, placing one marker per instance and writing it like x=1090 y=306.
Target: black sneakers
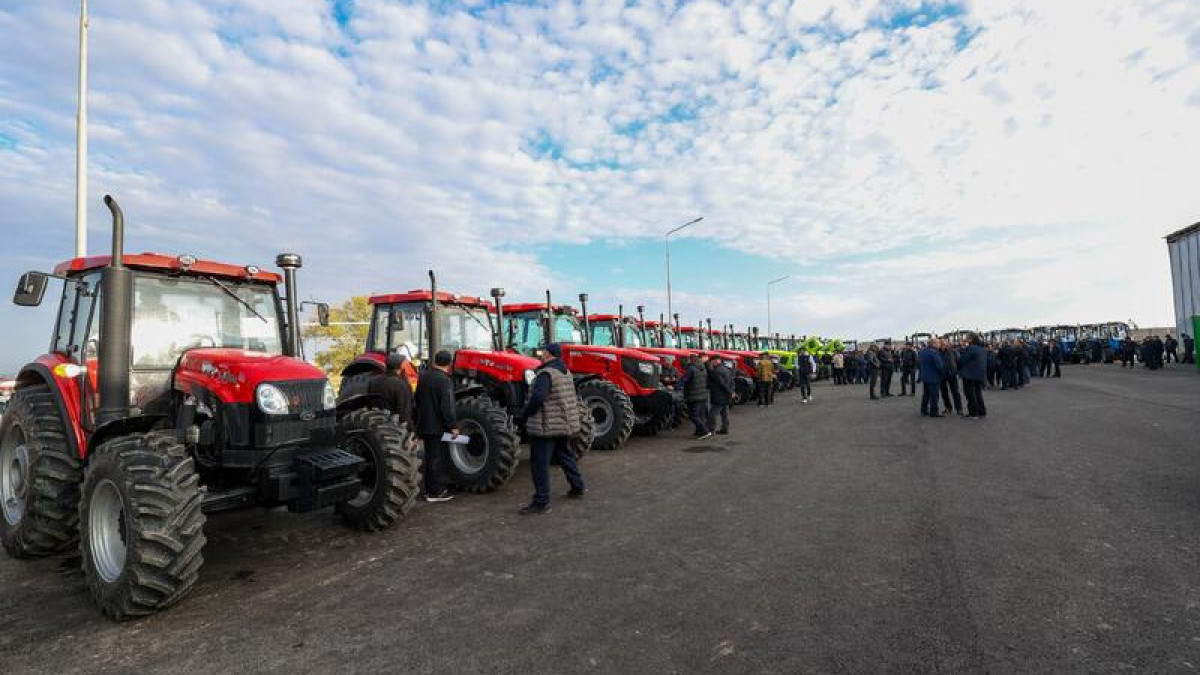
x=535 y=510
x=576 y=494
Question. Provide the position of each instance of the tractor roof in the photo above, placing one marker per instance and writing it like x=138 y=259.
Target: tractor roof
x=161 y=262
x=687 y=329
x=608 y=317
x=424 y=295
x=521 y=307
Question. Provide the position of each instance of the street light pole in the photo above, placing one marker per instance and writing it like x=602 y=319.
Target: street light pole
x=667 y=241
x=81 y=144
x=769 y=284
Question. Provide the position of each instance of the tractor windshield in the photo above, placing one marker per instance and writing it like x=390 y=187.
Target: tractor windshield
x=402 y=327
x=633 y=336
x=689 y=340
x=525 y=330
x=604 y=333
x=172 y=315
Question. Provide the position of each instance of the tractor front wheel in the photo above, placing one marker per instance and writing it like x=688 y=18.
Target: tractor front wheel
x=489 y=459
x=141 y=528
x=39 y=477
x=391 y=477
x=612 y=413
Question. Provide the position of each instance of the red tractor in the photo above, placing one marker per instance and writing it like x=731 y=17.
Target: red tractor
x=175 y=387
x=490 y=383
x=622 y=388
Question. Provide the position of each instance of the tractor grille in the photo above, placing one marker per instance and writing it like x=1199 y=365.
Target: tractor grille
x=303 y=395
x=646 y=373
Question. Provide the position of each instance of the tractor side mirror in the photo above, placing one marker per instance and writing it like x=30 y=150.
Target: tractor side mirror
x=31 y=289
x=323 y=313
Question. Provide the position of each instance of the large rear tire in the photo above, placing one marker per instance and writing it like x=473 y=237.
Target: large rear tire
x=612 y=413
x=656 y=421
x=392 y=475
x=490 y=459
x=582 y=442
x=141 y=528
x=39 y=477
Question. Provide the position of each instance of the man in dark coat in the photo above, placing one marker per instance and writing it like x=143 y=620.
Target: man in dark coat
x=1189 y=348
x=394 y=389
x=551 y=419
x=949 y=378
x=932 y=367
x=993 y=367
x=1129 y=350
x=435 y=417
x=806 y=370
x=872 y=362
x=720 y=394
x=694 y=384
x=887 y=364
x=972 y=368
x=1170 y=346
x=908 y=370
x=1052 y=358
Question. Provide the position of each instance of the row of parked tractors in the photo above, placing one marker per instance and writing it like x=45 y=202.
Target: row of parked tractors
x=175 y=387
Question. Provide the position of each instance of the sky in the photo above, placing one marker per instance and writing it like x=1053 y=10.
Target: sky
x=911 y=166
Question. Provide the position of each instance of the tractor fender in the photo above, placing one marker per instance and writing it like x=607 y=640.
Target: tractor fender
x=581 y=378
x=135 y=424
x=469 y=391
x=37 y=373
x=359 y=401
x=362 y=365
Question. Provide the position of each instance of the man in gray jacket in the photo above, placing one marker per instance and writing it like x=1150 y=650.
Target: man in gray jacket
x=551 y=420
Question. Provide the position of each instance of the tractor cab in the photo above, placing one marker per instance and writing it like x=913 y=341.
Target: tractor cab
x=525 y=326
x=175 y=386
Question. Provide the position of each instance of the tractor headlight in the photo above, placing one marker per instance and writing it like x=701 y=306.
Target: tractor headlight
x=529 y=375
x=271 y=400
x=328 y=398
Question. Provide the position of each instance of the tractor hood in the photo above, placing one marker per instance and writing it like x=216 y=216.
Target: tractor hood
x=233 y=374
x=607 y=352
x=505 y=366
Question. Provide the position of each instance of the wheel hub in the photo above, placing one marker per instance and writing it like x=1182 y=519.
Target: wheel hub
x=602 y=414
x=106 y=531
x=470 y=458
x=14 y=475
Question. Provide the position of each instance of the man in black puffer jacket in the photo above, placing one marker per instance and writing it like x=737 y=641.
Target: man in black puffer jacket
x=720 y=394
x=694 y=384
x=551 y=420
x=950 y=378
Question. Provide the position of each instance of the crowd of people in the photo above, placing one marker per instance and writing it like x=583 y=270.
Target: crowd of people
x=1153 y=351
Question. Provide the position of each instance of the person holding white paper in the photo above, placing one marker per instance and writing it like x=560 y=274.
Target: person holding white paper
x=435 y=416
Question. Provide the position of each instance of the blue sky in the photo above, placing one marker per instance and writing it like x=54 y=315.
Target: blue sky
x=912 y=165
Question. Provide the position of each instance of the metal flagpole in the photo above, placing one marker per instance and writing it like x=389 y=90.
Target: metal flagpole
x=81 y=144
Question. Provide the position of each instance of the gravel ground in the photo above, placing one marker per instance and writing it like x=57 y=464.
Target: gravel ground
x=1061 y=534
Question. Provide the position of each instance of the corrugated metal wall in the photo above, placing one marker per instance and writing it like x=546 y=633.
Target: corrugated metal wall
x=1185 y=279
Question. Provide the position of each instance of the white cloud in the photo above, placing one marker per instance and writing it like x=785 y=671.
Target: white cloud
x=809 y=131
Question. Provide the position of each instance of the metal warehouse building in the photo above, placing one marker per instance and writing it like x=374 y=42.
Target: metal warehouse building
x=1184 y=248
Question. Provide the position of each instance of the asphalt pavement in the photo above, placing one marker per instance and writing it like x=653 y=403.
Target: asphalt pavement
x=1059 y=535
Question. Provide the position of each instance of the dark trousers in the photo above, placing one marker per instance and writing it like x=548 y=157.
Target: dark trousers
x=909 y=378
x=806 y=386
x=973 y=390
x=766 y=392
x=885 y=382
x=1172 y=356
x=839 y=376
x=720 y=410
x=950 y=392
x=540 y=452
x=699 y=413
x=929 y=398
x=1127 y=359
x=872 y=379
x=436 y=456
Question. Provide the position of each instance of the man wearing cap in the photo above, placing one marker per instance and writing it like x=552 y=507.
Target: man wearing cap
x=551 y=420
x=435 y=417
x=394 y=389
x=694 y=384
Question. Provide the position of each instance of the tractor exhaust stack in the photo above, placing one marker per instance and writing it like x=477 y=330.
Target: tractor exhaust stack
x=289 y=263
x=116 y=321
x=548 y=329
x=642 y=324
x=435 y=337
x=500 y=336
x=620 y=326
x=587 y=325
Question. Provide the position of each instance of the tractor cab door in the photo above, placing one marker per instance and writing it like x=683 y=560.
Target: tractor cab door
x=77 y=338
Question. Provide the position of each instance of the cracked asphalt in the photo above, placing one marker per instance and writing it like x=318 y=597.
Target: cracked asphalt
x=1059 y=535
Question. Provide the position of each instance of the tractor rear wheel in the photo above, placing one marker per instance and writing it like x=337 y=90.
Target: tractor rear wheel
x=354 y=385
x=141 y=528
x=743 y=390
x=612 y=412
x=654 y=422
x=582 y=442
x=39 y=477
x=490 y=458
x=392 y=475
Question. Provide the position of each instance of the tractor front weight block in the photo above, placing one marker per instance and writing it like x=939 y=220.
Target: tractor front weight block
x=314 y=480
